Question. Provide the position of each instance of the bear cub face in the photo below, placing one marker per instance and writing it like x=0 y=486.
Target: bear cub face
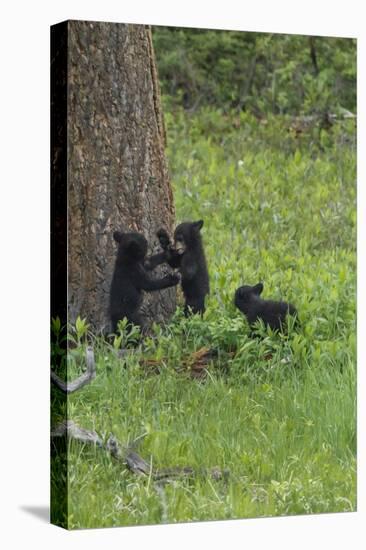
x=187 y=236
x=273 y=314
x=245 y=295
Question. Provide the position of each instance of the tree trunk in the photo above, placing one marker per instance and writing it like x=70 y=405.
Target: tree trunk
x=109 y=160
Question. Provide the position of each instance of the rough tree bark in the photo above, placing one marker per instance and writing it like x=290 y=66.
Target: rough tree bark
x=115 y=169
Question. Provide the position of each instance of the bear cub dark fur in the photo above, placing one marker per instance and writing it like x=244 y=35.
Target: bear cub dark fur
x=130 y=279
x=187 y=255
x=273 y=314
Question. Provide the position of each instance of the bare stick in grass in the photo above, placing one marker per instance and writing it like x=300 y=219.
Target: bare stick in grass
x=85 y=378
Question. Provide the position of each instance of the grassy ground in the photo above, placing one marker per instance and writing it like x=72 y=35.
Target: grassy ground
x=278 y=413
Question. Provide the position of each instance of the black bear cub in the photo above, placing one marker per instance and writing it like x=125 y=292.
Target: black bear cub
x=273 y=314
x=188 y=256
x=130 y=279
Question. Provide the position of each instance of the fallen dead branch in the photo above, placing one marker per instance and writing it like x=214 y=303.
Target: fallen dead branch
x=85 y=378
x=69 y=429
x=134 y=462
x=196 y=364
x=325 y=120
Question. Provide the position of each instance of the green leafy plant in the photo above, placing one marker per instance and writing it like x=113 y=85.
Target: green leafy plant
x=128 y=334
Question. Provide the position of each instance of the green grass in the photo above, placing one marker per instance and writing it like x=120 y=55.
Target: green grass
x=278 y=412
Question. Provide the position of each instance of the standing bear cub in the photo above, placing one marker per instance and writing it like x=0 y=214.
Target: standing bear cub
x=130 y=279
x=273 y=314
x=188 y=256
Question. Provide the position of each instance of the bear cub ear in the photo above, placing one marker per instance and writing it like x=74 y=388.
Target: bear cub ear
x=117 y=235
x=258 y=289
x=198 y=225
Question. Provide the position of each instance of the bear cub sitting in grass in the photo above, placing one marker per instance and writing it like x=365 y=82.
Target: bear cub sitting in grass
x=188 y=256
x=273 y=314
x=130 y=279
